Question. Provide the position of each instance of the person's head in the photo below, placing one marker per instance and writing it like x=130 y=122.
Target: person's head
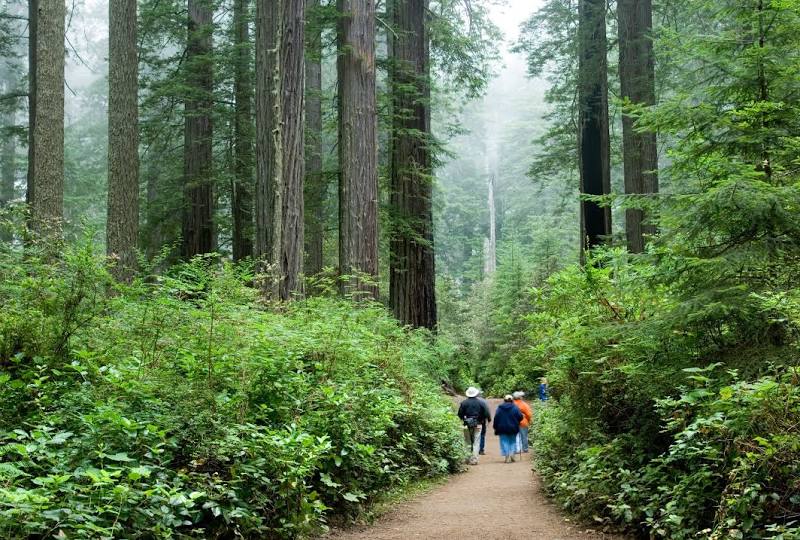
x=509 y=398
x=543 y=380
x=472 y=392
x=519 y=394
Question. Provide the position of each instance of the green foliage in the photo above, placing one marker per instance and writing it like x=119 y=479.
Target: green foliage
x=181 y=407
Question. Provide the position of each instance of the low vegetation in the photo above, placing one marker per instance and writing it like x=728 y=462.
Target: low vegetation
x=181 y=406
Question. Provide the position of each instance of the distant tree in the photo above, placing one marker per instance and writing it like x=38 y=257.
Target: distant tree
x=593 y=137
x=358 y=156
x=242 y=189
x=316 y=184
x=637 y=83
x=45 y=193
x=280 y=125
x=122 y=227
x=198 y=211
x=412 y=275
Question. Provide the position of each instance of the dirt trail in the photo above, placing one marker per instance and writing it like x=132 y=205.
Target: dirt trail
x=492 y=501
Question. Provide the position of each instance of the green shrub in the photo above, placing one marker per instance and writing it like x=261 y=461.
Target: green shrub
x=179 y=406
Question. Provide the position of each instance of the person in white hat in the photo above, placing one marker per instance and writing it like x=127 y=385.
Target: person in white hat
x=473 y=412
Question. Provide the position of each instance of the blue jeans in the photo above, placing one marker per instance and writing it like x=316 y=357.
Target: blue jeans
x=483 y=437
x=523 y=438
x=508 y=445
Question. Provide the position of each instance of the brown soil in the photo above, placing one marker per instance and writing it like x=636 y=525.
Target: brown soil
x=491 y=501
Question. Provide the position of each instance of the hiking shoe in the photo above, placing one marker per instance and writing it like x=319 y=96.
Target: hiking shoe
x=512 y=459
x=482 y=452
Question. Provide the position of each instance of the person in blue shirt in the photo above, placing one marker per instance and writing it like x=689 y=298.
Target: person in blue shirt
x=543 y=389
x=506 y=425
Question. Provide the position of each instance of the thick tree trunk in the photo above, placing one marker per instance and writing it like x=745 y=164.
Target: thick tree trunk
x=358 y=145
x=637 y=82
x=316 y=186
x=593 y=138
x=412 y=276
x=122 y=227
x=242 y=198
x=198 y=211
x=46 y=153
x=280 y=143
x=490 y=245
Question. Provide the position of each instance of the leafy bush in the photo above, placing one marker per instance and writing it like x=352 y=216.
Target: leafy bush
x=180 y=406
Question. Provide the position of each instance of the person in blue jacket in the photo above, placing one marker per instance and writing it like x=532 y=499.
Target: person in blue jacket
x=506 y=425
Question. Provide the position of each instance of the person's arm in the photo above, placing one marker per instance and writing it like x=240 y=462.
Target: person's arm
x=528 y=412
x=487 y=412
x=461 y=411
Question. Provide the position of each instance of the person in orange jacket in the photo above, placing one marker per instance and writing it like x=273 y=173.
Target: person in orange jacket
x=525 y=423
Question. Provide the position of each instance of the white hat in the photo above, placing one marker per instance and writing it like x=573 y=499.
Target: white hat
x=508 y=397
x=519 y=394
x=472 y=391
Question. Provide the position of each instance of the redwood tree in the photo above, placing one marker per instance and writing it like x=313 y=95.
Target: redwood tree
x=198 y=206
x=315 y=184
x=242 y=192
x=122 y=226
x=45 y=193
x=412 y=274
x=358 y=143
x=280 y=124
x=593 y=138
x=637 y=82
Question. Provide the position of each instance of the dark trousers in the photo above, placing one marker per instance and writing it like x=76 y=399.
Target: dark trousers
x=483 y=437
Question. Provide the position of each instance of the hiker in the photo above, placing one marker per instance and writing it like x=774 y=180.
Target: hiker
x=525 y=423
x=474 y=413
x=488 y=418
x=543 y=389
x=506 y=425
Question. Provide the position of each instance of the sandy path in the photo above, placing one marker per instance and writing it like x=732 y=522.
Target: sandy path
x=492 y=501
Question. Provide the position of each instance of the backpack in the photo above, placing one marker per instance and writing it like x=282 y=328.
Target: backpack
x=471 y=421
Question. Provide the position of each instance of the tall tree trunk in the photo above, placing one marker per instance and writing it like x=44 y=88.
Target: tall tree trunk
x=122 y=227
x=46 y=148
x=8 y=171
x=490 y=245
x=358 y=145
x=316 y=185
x=637 y=82
x=242 y=199
x=198 y=211
x=593 y=138
x=412 y=275
x=280 y=124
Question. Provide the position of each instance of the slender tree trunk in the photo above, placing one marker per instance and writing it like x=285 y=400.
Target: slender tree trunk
x=269 y=181
x=490 y=245
x=46 y=154
x=593 y=138
x=358 y=144
x=122 y=227
x=412 y=275
x=242 y=199
x=637 y=82
x=198 y=212
x=8 y=171
x=280 y=124
x=316 y=185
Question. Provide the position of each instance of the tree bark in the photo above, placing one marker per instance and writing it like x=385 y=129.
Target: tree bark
x=412 y=275
x=358 y=144
x=122 y=227
x=198 y=211
x=280 y=124
x=46 y=148
x=242 y=198
x=8 y=171
x=593 y=137
x=316 y=185
x=637 y=83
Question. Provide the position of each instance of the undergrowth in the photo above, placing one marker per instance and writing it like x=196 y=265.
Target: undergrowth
x=181 y=406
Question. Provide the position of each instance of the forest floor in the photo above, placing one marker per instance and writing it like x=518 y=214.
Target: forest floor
x=491 y=501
